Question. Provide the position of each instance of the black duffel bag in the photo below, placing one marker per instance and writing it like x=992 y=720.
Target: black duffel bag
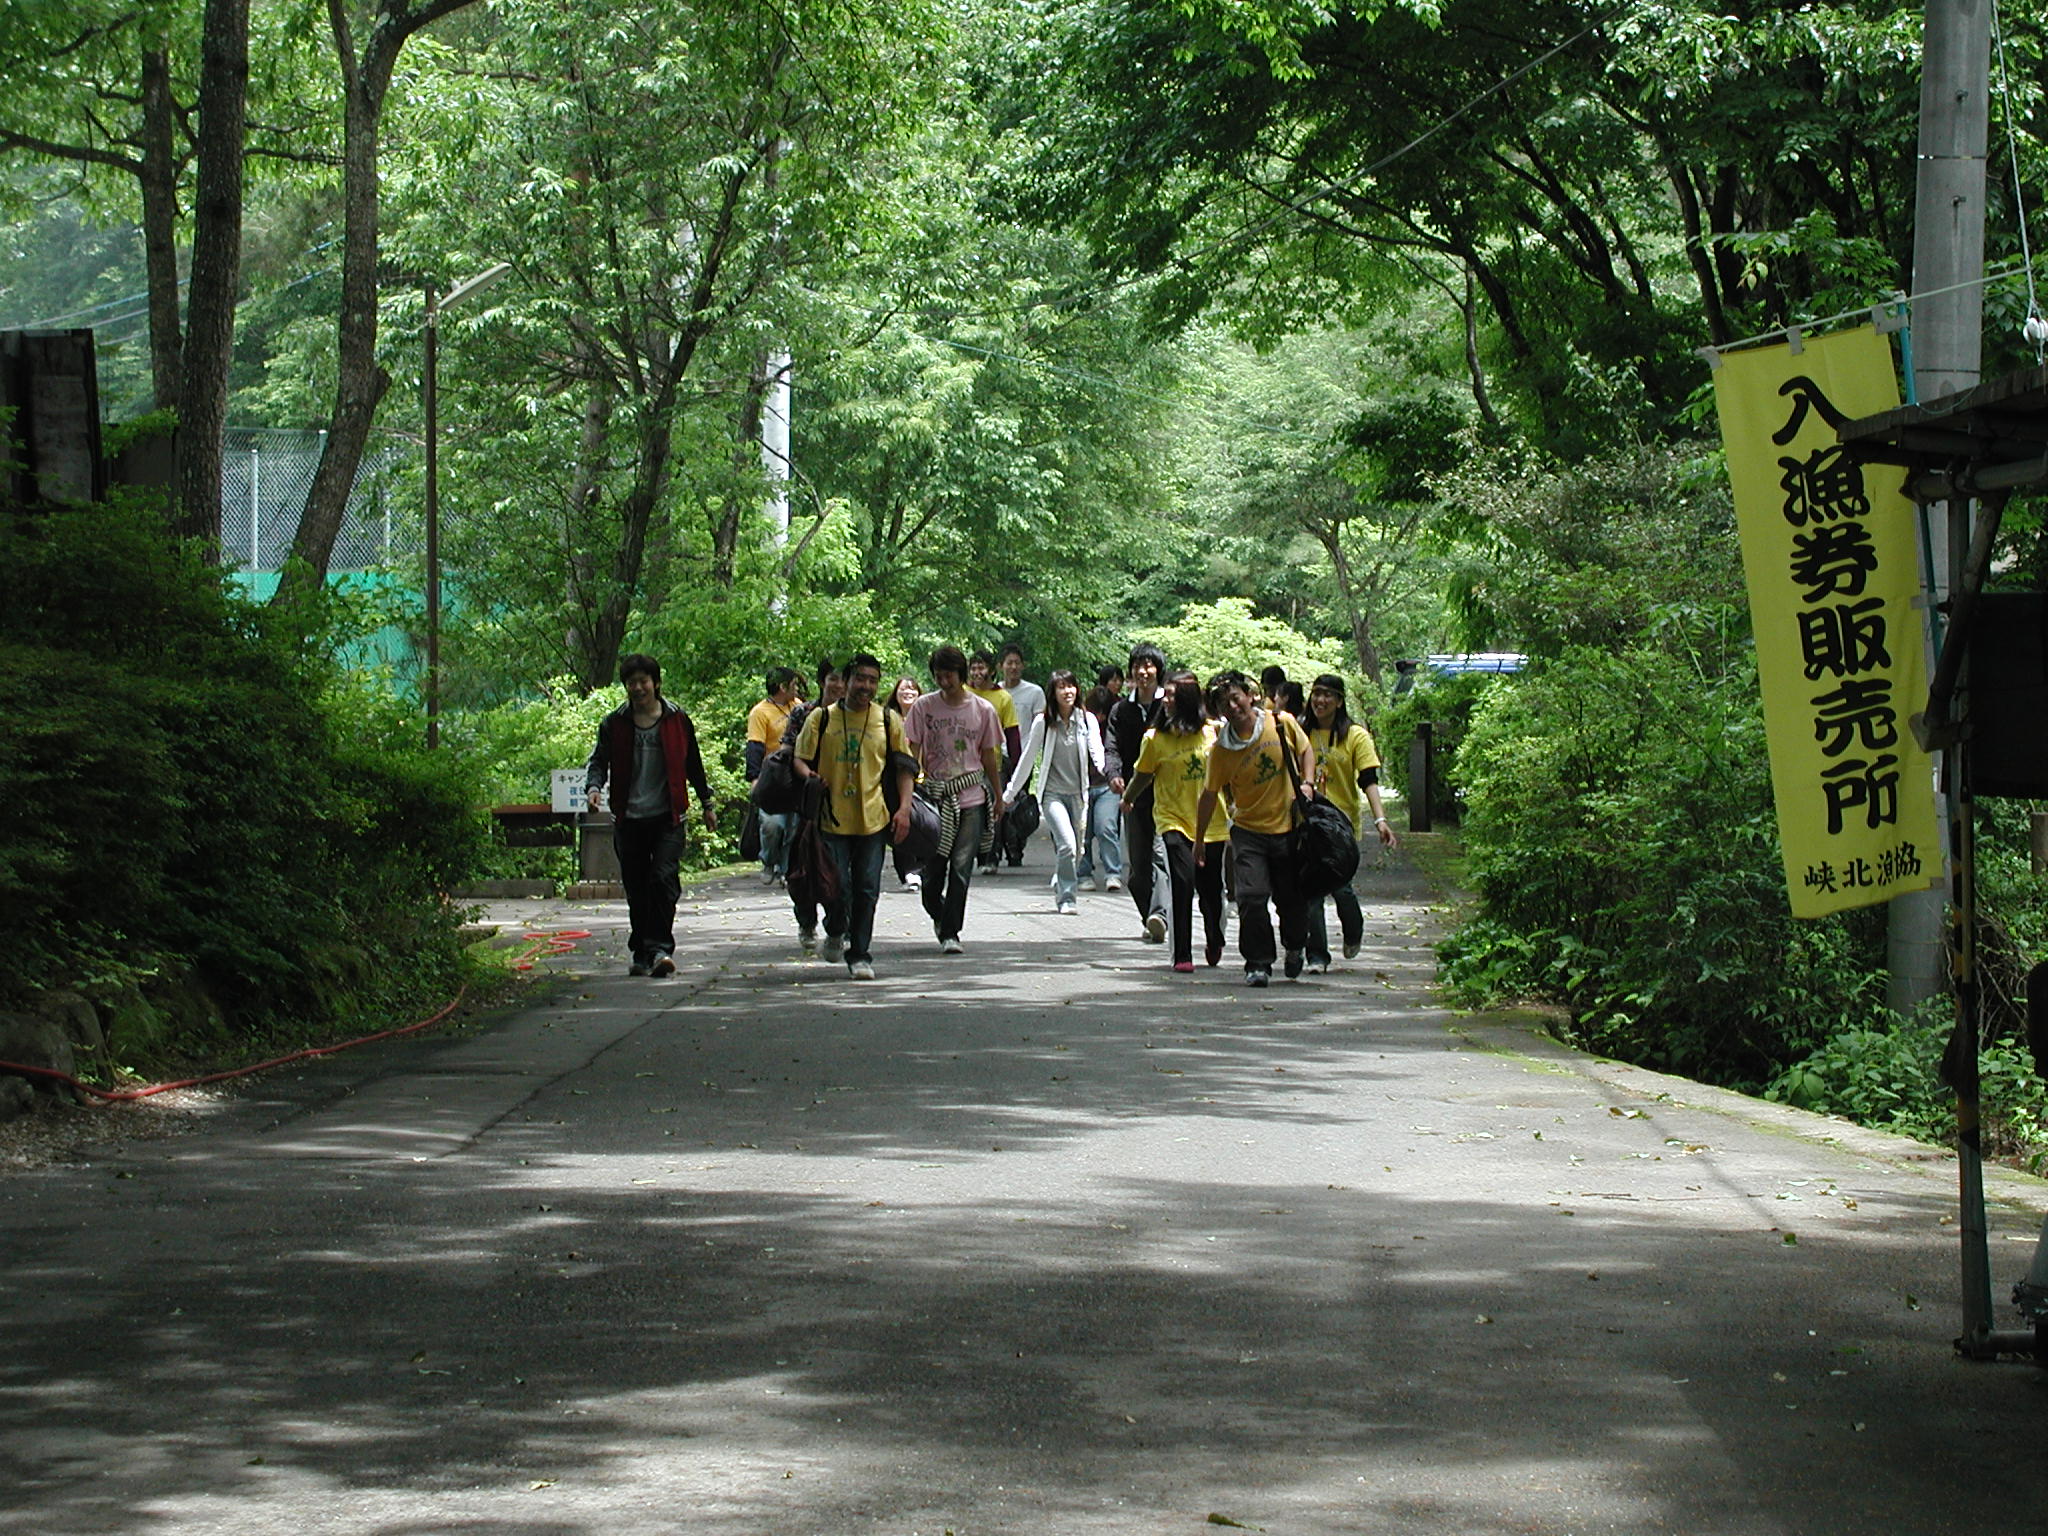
x=1322 y=848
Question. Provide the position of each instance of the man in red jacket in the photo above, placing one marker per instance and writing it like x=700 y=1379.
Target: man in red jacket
x=647 y=751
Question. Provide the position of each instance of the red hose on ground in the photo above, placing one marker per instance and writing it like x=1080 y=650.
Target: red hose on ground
x=560 y=942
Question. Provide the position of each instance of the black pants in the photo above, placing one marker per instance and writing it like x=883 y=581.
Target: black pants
x=650 y=850
x=1192 y=881
x=1349 y=914
x=1262 y=875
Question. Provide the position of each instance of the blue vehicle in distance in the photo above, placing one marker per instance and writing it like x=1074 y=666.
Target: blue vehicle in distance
x=1410 y=675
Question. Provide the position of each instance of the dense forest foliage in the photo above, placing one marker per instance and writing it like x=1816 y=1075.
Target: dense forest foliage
x=1338 y=335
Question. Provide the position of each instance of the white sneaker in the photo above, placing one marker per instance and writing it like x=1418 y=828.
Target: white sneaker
x=1068 y=909
x=861 y=970
x=835 y=945
x=949 y=947
x=1114 y=884
x=1155 y=929
x=913 y=881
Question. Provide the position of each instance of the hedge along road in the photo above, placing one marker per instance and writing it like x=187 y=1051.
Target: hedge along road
x=1041 y=1239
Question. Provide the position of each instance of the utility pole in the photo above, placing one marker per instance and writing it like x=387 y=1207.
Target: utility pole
x=1948 y=347
x=1948 y=335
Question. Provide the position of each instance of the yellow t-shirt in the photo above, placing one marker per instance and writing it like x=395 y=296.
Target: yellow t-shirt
x=1338 y=765
x=1179 y=765
x=1006 y=712
x=855 y=756
x=1256 y=776
x=765 y=722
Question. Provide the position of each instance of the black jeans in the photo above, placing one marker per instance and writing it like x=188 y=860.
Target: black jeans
x=1263 y=874
x=1349 y=915
x=650 y=850
x=1192 y=881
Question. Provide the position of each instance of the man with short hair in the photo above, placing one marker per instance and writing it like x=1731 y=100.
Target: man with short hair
x=1144 y=848
x=1027 y=702
x=831 y=689
x=647 y=753
x=852 y=742
x=1250 y=760
x=958 y=741
x=765 y=724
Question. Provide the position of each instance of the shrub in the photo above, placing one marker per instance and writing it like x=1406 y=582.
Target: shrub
x=1447 y=704
x=1621 y=838
x=175 y=795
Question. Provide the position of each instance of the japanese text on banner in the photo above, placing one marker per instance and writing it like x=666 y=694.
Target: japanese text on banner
x=1828 y=553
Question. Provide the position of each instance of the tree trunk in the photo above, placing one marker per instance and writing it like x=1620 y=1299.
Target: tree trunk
x=216 y=267
x=585 y=493
x=360 y=380
x=1361 y=623
x=159 y=186
x=725 y=531
x=614 y=613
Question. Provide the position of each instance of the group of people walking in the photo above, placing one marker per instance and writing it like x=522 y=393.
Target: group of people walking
x=1182 y=793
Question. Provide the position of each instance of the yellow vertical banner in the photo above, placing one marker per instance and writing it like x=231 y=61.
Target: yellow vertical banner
x=1828 y=554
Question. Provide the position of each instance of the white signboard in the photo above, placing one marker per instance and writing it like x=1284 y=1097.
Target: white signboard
x=568 y=790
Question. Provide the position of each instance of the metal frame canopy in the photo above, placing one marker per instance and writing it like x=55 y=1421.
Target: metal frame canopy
x=1978 y=445
x=1980 y=442
x=1971 y=450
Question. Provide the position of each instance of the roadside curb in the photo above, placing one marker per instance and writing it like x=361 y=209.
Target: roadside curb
x=1523 y=1033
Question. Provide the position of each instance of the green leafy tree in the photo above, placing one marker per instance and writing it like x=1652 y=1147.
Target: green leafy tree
x=660 y=180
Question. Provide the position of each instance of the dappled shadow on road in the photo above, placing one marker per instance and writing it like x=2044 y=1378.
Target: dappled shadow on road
x=1347 y=1360
x=1052 y=1246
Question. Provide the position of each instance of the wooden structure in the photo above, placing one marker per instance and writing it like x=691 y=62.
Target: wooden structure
x=1987 y=713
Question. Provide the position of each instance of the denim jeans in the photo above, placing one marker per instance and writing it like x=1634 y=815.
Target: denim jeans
x=1102 y=850
x=1144 y=861
x=851 y=914
x=1063 y=823
x=946 y=880
x=1263 y=874
x=650 y=850
x=776 y=831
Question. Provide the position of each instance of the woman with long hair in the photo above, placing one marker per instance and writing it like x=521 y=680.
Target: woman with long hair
x=1347 y=762
x=1061 y=748
x=905 y=692
x=1174 y=760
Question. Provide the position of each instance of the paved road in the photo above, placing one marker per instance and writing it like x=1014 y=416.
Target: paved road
x=1043 y=1239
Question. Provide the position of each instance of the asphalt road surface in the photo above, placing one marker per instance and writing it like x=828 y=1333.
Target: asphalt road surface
x=1040 y=1239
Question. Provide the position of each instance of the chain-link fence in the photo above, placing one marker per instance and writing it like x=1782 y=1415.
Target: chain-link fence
x=265 y=475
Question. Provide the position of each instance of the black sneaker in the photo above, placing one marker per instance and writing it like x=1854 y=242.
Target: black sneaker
x=1259 y=978
x=1293 y=964
x=638 y=968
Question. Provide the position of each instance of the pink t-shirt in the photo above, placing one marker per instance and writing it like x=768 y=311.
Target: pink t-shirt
x=950 y=738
